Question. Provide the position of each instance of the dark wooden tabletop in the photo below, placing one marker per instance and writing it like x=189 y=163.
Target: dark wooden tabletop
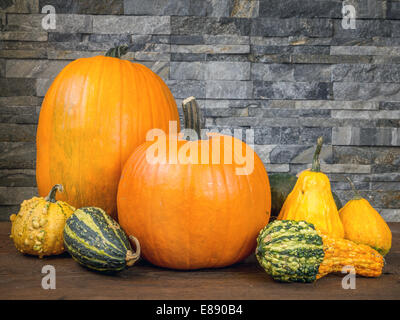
x=21 y=277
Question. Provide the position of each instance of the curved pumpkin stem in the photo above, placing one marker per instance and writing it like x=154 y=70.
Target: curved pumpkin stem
x=192 y=115
x=117 y=52
x=131 y=257
x=51 y=197
x=357 y=195
x=316 y=167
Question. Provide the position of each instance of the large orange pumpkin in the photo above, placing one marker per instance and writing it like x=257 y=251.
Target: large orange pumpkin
x=95 y=113
x=190 y=214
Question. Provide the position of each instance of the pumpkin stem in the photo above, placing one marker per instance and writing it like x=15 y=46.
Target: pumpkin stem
x=192 y=115
x=316 y=167
x=357 y=195
x=117 y=52
x=52 y=194
x=131 y=257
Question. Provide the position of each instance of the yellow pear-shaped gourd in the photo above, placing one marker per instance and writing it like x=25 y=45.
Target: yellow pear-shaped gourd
x=363 y=224
x=38 y=227
x=311 y=200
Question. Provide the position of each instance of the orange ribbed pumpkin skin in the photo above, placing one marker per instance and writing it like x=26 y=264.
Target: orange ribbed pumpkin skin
x=192 y=216
x=96 y=112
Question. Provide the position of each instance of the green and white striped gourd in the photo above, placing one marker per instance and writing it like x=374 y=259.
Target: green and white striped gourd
x=290 y=251
x=96 y=241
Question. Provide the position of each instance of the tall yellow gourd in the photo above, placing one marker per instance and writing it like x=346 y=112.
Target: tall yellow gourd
x=363 y=224
x=311 y=200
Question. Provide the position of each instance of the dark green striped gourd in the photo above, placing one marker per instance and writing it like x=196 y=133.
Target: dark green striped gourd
x=96 y=241
x=290 y=251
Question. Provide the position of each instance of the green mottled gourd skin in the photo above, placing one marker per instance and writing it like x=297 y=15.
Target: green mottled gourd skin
x=96 y=241
x=290 y=251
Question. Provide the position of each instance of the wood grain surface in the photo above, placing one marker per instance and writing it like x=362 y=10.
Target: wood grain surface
x=20 y=278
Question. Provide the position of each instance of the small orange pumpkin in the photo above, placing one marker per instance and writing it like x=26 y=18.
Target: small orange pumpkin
x=363 y=224
x=194 y=214
x=95 y=113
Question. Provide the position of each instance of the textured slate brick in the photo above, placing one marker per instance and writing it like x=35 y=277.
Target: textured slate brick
x=381 y=114
x=304 y=8
x=42 y=85
x=188 y=70
x=390 y=215
x=241 y=57
x=229 y=89
x=17 y=155
x=23 y=36
x=393 y=10
x=24 y=54
x=366 y=73
x=330 y=59
x=365 y=50
x=188 y=56
x=15 y=195
x=67 y=23
x=208 y=25
x=187 y=39
x=227 y=71
x=19 y=101
x=244 y=8
x=17 y=87
x=226 y=39
x=291 y=90
x=7 y=211
x=312 y=72
x=187 y=88
x=366 y=91
x=2 y=67
x=272 y=167
x=159 y=7
x=289 y=113
x=309 y=135
x=131 y=24
x=34 y=68
x=305 y=156
x=375 y=9
x=290 y=135
x=86 y=6
x=272 y=72
x=210 y=49
x=366 y=136
x=17 y=114
x=384 y=105
x=364 y=29
x=275 y=27
x=17 y=178
x=267 y=136
x=19 y=6
x=17 y=132
x=286 y=153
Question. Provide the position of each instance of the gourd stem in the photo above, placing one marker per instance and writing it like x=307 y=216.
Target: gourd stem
x=192 y=115
x=316 y=167
x=51 y=197
x=357 y=195
x=117 y=52
x=132 y=257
